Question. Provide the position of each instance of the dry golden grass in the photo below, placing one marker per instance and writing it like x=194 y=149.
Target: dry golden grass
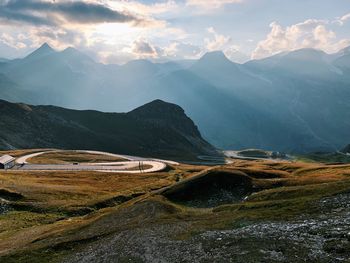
x=67 y=190
x=286 y=189
x=18 y=153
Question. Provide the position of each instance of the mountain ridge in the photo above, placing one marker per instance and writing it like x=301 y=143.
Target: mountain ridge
x=272 y=103
x=27 y=126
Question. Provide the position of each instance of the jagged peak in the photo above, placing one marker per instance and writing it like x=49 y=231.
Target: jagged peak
x=43 y=50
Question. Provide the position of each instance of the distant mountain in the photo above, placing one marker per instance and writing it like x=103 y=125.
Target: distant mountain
x=343 y=52
x=220 y=71
x=158 y=129
x=10 y=91
x=342 y=61
x=42 y=51
x=3 y=60
x=293 y=102
x=303 y=62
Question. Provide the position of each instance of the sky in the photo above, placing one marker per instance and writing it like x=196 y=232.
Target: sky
x=117 y=31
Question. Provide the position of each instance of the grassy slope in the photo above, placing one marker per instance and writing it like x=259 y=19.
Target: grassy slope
x=71 y=157
x=324 y=158
x=61 y=209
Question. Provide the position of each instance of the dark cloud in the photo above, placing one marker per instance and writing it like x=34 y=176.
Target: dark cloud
x=47 y=13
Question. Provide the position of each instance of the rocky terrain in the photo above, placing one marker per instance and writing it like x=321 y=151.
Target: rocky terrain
x=309 y=238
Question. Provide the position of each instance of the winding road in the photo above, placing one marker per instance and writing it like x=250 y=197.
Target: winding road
x=133 y=165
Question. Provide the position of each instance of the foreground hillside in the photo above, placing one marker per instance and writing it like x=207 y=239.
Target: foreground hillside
x=158 y=129
x=248 y=211
x=290 y=102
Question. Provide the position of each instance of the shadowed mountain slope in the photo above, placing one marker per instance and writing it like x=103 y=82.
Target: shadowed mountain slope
x=158 y=129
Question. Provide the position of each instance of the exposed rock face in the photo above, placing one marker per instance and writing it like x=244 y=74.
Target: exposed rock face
x=158 y=129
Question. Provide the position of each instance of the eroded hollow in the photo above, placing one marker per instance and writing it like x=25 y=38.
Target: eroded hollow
x=211 y=189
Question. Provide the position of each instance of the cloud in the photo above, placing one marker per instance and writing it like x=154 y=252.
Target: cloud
x=13 y=42
x=182 y=50
x=342 y=20
x=225 y=44
x=143 y=48
x=39 y=12
x=59 y=38
x=209 y=4
x=218 y=42
x=163 y=7
x=311 y=33
x=234 y=54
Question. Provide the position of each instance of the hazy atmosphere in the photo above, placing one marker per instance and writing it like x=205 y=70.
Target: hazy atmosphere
x=164 y=131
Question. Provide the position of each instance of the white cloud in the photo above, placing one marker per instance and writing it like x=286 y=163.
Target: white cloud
x=234 y=54
x=13 y=42
x=169 y=6
x=225 y=44
x=145 y=49
x=311 y=33
x=342 y=20
x=182 y=50
x=218 y=42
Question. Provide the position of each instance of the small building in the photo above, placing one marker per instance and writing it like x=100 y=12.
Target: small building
x=7 y=162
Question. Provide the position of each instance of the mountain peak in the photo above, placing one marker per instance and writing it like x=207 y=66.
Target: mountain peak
x=43 y=50
x=70 y=50
x=168 y=114
x=217 y=60
x=158 y=106
x=215 y=56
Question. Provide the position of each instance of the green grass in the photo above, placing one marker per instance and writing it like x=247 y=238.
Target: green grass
x=326 y=158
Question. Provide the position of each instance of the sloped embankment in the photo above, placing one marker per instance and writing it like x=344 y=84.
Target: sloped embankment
x=211 y=188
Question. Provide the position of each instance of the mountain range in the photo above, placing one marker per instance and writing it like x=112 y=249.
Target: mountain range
x=294 y=101
x=157 y=129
